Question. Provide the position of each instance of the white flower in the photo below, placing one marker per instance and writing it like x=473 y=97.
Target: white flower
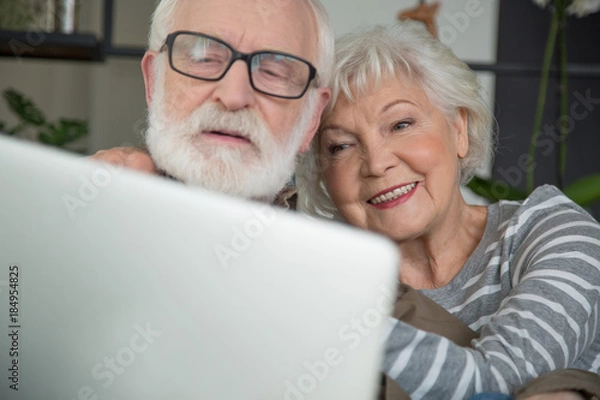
x=581 y=8
x=541 y=3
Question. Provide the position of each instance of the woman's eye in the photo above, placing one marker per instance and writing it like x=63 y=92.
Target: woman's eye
x=336 y=148
x=398 y=126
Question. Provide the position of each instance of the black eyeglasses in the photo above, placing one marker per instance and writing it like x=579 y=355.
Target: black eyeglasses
x=207 y=58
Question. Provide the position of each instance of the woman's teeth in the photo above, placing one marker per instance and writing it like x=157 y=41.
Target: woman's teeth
x=393 y=195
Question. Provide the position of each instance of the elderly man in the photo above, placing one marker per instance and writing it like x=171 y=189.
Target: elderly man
x=235 y=91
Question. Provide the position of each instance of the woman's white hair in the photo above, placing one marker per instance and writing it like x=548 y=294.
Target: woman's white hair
x=363 y=59
x=164 y=16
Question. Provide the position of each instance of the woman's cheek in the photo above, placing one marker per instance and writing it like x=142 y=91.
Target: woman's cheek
x=336 y=182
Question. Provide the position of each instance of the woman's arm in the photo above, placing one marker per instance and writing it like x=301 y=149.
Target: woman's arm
x=547 y=322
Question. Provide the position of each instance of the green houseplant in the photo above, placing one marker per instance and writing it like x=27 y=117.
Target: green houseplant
x=63 y=133
x=585 y=191
x=16 y=15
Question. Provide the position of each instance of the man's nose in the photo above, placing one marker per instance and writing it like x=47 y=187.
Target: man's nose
x=234 y=90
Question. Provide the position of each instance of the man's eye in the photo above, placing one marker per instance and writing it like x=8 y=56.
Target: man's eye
x=336 y=148
x=206 y=54
x=274 y=72
x=207 y=58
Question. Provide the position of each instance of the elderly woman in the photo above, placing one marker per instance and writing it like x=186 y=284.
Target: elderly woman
x=407 y=125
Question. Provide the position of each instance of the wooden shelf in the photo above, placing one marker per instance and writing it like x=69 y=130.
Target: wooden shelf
x=79 y=46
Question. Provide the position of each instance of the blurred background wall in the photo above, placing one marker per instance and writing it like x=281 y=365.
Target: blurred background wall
x=110 y=94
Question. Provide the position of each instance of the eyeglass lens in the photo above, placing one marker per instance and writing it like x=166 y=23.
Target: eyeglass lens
x=272 y=73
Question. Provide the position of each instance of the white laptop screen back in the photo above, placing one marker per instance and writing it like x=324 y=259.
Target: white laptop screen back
x=115 y=285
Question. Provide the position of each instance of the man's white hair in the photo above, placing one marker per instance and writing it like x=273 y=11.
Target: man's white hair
x=405 y=50
x=163 y=21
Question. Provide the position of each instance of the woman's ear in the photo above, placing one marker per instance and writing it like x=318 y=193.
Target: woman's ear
x=323 y=97
x=148 y=73
x=461 y=128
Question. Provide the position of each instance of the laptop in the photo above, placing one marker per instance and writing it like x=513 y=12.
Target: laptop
x=119 y=285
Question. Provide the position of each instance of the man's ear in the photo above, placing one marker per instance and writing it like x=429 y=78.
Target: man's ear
x=148 y=72
x=323 y=97
x=461 y=126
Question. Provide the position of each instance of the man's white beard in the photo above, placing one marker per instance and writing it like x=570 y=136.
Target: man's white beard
x=258 y=171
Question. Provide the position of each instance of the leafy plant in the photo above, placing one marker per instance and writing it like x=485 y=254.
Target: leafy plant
x=586 y=190
x=16 y=14
x=60 y=134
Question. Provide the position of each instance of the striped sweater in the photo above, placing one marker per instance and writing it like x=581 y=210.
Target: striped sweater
x=531 y=289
